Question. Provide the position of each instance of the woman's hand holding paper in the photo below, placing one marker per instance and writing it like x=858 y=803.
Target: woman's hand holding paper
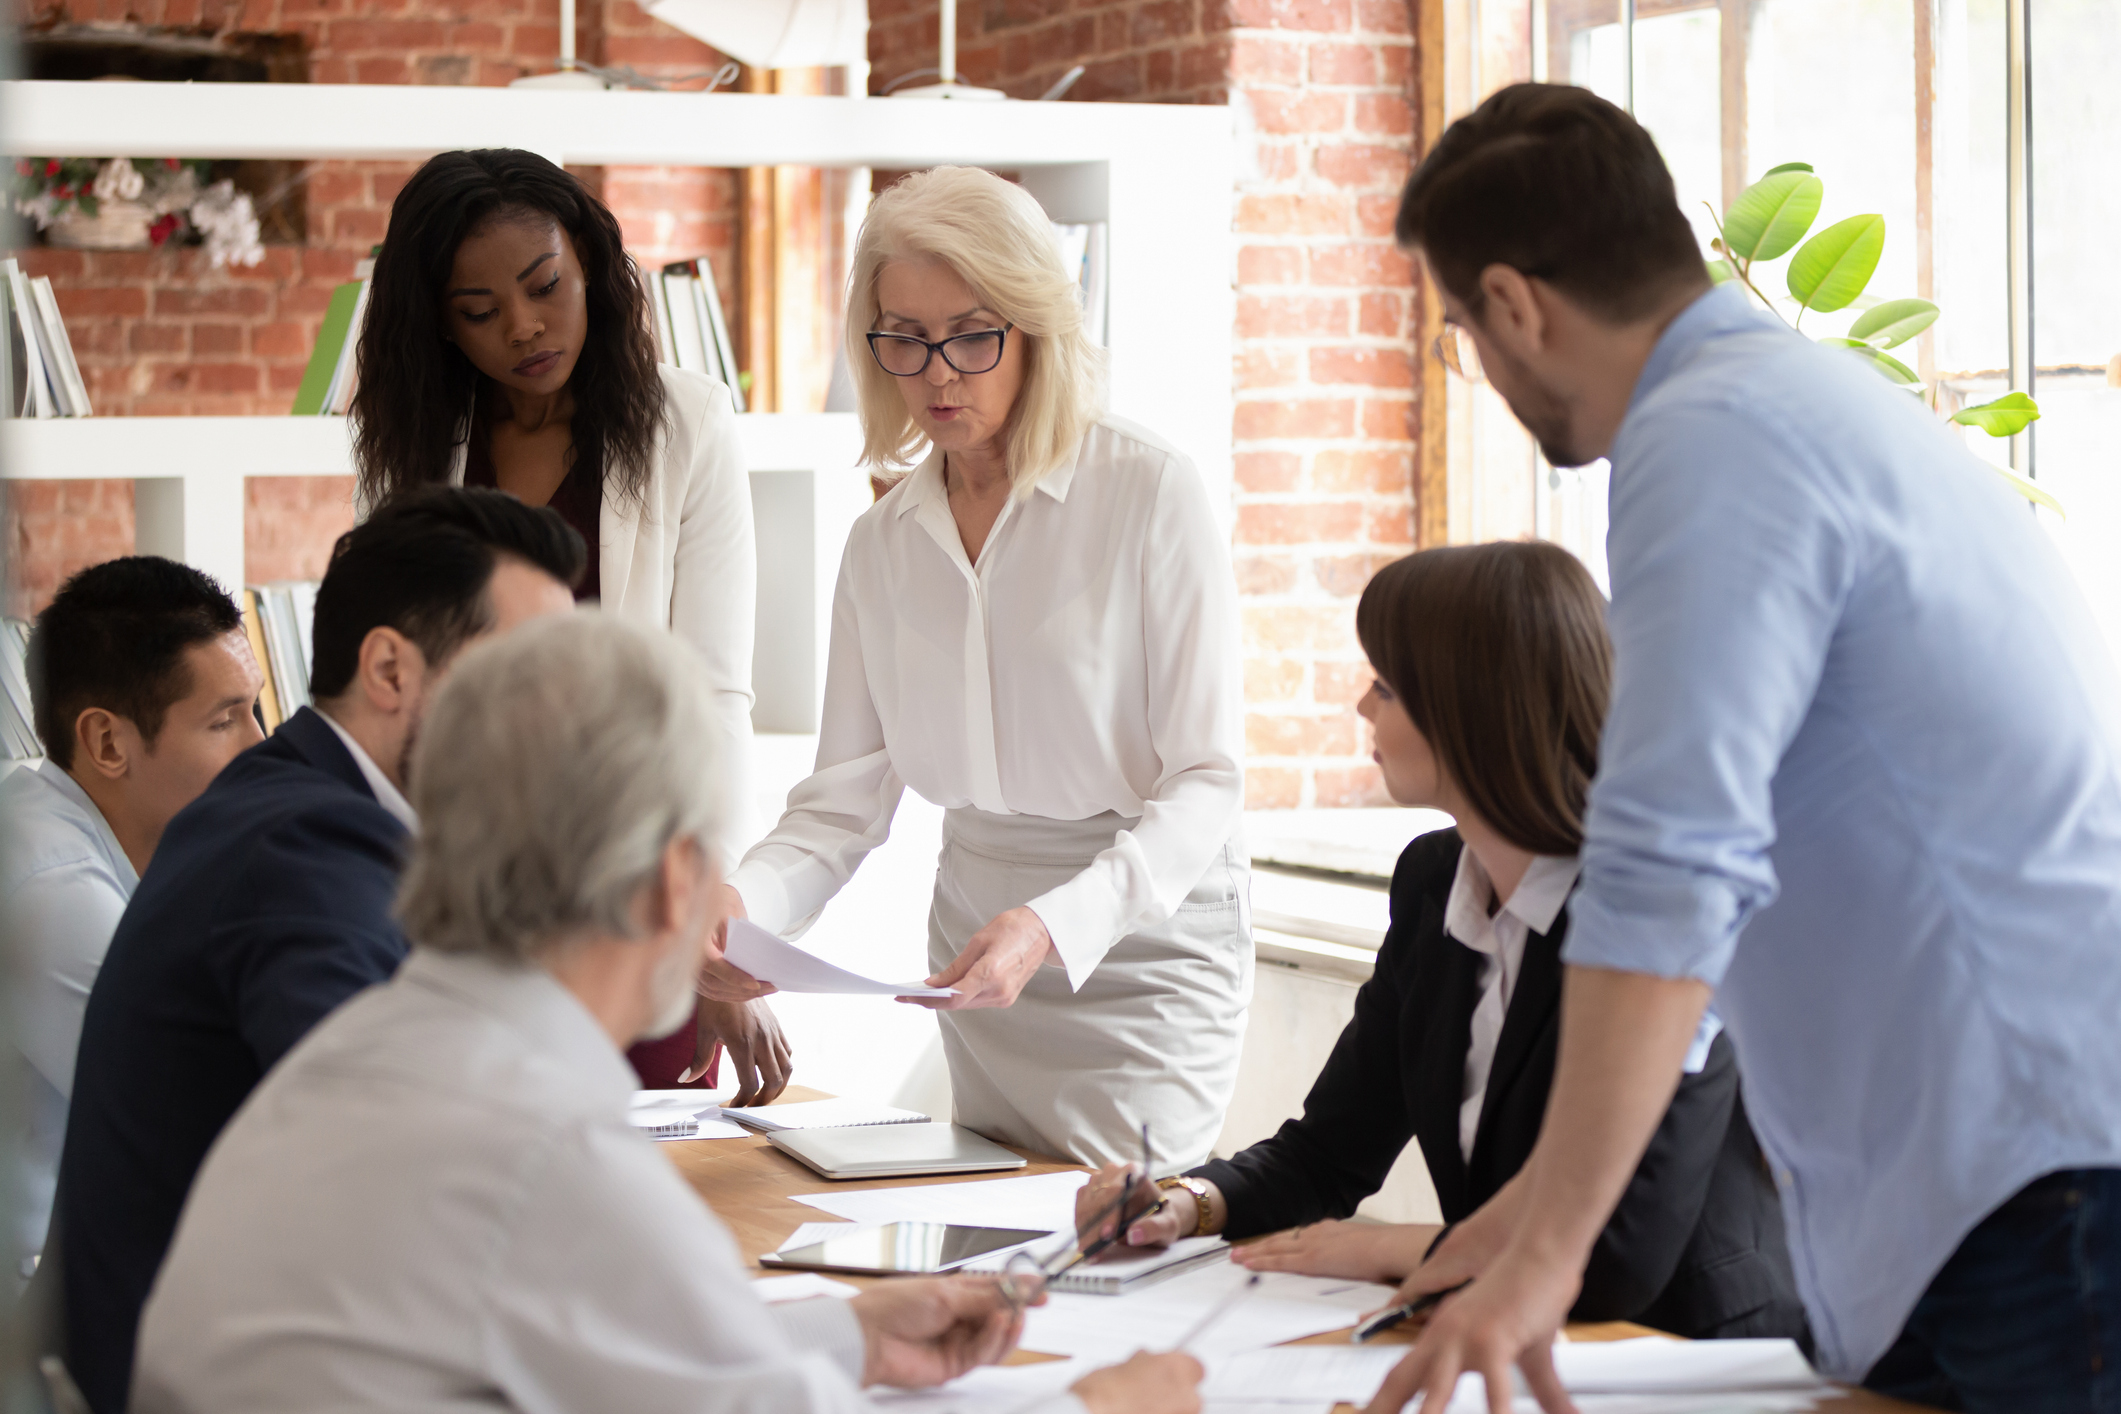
x=996 y=963
x=719 y=980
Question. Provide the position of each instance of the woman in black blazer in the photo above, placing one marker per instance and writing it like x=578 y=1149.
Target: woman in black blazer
x=1493 y=670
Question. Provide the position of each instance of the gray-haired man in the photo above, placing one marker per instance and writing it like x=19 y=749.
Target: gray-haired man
x=435 y=1200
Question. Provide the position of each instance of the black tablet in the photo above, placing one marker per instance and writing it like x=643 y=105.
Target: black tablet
x=901 y=1249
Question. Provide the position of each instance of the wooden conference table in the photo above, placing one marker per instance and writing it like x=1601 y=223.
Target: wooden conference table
x=748 y=1182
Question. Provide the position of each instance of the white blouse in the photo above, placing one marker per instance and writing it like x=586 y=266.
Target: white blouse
x=1087 y=663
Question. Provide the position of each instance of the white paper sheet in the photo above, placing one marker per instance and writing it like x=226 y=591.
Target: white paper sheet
x=815 y=1232
x=1470 y=1398
x=651 y=1109
x=1651 y=1365
x=789 y=968
x=991 y=1389
x=1285 y=1307
x=1043 y=1202
x=801 y=1286
x=1303 y=1373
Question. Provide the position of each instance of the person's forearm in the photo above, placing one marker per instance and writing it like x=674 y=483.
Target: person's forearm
x=1624 y=1038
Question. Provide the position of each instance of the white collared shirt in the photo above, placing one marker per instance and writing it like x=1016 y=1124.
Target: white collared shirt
x=380 y=786
x=1500 y=938
x=434 y=1202
x=1087 y=663
x=64 y=884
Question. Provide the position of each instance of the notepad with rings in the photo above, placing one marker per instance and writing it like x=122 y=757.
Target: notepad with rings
x=1120 y=1275
x=822 y=1114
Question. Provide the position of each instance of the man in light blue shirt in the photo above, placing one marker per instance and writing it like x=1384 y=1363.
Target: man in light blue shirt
x=143 y=685
x=1861 y=782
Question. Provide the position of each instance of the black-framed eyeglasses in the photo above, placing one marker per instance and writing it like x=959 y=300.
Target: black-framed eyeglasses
x=903 y=356
x=1024 y=1276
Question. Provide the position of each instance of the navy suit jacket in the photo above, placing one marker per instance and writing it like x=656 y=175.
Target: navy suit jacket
x=267 y=904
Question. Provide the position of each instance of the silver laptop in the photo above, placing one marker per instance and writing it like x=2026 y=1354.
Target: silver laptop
x=894 y=1150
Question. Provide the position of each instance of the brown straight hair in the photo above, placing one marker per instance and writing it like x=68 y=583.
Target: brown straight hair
x=1499 y=654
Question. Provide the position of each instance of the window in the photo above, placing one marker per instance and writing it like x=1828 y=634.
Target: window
x=1903 y=108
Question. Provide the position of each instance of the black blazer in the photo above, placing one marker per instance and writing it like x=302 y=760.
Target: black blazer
x=267 y=904
x=1695 y=1246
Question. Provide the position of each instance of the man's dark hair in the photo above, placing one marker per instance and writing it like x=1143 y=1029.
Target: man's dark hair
x=1561 y=186
x=421 y=565
x=114 y=637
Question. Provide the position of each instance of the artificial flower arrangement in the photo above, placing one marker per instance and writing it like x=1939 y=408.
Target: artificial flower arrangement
x=108 y=203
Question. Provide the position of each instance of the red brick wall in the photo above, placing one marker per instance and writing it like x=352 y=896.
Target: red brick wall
x=1324 y=375
x=159 y=333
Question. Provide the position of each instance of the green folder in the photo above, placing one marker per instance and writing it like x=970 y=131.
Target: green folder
x=316 y=379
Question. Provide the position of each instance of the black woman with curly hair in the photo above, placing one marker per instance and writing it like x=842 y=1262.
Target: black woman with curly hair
x=507 y=344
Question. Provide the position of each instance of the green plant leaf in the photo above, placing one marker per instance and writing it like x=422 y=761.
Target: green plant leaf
x=1720 y=271
x=1886 y=364
x=2031 y=491
x=1893 y=322
x=1772 y=214
x=1832 y=267
x=2007 y=416
x=1788 y=167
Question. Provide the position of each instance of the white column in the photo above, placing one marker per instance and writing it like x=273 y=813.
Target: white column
x=197 y=519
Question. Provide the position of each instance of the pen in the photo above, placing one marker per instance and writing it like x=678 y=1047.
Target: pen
x=1218 y=1311
x=1393 y=1315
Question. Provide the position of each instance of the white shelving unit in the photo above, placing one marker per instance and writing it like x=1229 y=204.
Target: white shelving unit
x=1159 y=174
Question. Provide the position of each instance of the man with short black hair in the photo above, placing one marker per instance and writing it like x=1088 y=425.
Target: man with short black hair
x=269 y=901
x=143 y=687
x=1861 y=777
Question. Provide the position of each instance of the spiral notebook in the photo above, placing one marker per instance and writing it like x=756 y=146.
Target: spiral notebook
x=822 y=1114
x=1121 y=1275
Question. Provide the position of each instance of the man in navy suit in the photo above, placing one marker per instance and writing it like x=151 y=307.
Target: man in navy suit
x=268 y=902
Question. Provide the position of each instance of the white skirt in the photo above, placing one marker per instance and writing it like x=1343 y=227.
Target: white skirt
x=1154 y=1034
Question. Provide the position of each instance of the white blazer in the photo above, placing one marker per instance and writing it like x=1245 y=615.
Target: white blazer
x=688 y=561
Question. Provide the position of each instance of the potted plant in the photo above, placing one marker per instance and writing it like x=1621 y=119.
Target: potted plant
x=1830 y=272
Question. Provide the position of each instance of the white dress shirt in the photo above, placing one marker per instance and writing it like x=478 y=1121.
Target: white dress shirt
x=435 y=1203
x=1500 y=938
x=64 y=883
x=379 y=785
x=1087 y=663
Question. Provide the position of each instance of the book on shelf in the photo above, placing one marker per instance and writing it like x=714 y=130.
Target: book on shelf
x=18 y=720
x=1084 y=252
x=689 y=328
x=39 y=376
x=328 y=383
x=277 y=618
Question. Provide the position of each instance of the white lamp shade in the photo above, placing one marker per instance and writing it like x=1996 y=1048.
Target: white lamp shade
x=774 y=34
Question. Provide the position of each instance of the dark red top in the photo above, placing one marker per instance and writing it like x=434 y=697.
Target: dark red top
x=580 y=502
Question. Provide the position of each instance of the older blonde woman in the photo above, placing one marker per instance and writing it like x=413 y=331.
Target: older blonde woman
x=1036 y=629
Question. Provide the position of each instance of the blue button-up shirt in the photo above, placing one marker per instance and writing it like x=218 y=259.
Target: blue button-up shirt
x=1862 y=774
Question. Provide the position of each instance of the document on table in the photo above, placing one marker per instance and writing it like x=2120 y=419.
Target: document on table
x=1653 y=1365
x=800 y=1286
x=789 y=968
x=1303 y=1373
x=990 y=1389
x=1285 y=1307
x=1042 y=1203
x=679 y=1114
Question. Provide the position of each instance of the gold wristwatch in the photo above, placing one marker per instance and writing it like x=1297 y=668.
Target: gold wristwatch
x=1201 y=1207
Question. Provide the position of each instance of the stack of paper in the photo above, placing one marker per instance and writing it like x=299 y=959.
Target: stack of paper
x=1284 y=1307
x=1043 y=1203
x=679 y=1114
